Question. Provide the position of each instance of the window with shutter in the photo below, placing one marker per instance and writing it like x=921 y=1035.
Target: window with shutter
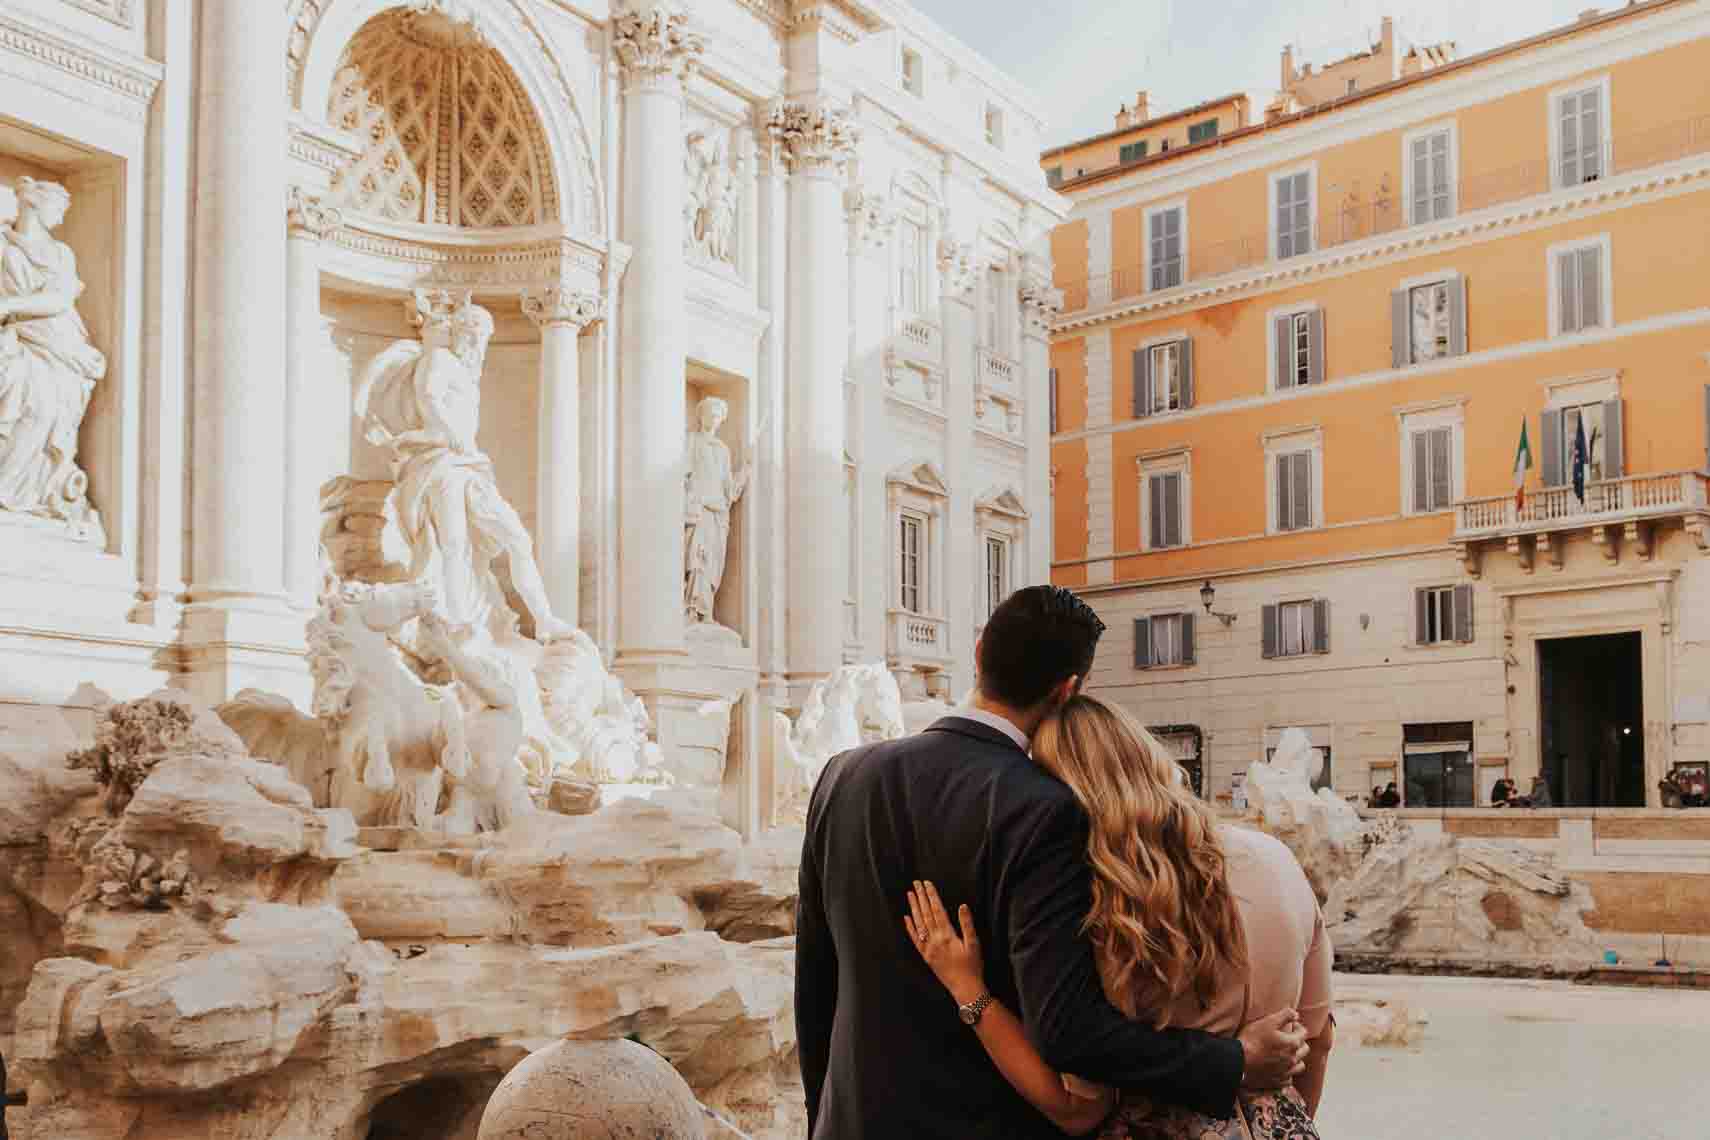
x=1142 y=371
x=1165 y=374
x=1294 y=491
x=1294 y=214
x=1297 y=632
x=1165 y=248
x=1166 y=510
x=1433 y=469
x=1436 y=611
x=1463 y=614
x=1188 y=647
x=1163 y=640
x=1431 y=181
x=1321 y=626
x=1427 y=330
x=1593 y=420
x=1200 y=132
x=1270 y=631
x=1131 y=152
x=1142 y=643
x=1579 y=126
x=1579 y=289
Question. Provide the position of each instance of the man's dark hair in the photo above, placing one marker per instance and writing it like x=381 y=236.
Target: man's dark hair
x=1036 y=639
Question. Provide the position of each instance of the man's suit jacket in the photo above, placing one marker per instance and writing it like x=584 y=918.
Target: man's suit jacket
x=884 y=1055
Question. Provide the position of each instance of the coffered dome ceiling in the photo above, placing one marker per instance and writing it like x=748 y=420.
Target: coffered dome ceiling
x=448 y=136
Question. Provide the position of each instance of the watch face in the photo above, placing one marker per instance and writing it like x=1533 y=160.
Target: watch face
x=969 y=1017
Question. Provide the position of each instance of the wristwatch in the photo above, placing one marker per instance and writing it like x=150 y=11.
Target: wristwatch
x=971 y=1013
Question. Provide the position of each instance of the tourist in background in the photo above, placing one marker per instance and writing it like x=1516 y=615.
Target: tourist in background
x=1502 y=792
x=1193 y=925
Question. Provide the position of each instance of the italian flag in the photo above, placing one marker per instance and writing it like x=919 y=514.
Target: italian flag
x=1522 y=464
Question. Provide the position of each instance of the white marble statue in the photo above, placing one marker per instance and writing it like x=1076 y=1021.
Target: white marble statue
x=384 y=742
x=858 y=704
x=709 y=207
x=602 y=726
x=422 y=400
x=1281 y=791
x=713 y=489
x=48 y=367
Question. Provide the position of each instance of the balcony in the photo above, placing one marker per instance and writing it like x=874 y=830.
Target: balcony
x=1615 y=512
x=1377 y=208
x=916 y=641
x=998 y=376
x=916 y=338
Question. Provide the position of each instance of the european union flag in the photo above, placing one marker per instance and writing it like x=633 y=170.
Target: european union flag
x=1581 y=457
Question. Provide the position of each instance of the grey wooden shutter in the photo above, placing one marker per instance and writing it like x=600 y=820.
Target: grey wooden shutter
x=1142 y=382
x=1284 y=333
x=1187 y=373
x=1284 y=499
x=1154 y=505
x=1422 y=617
x=1614 y=457
x=1400 y=354
x=1442 y=481
x=1187 y=639
x=1421 y=472
x=1550 y=437
x=1457 y=316
x=1463 y=614
x=1172 y=509
x=1142 y=643
x=1567 y=293
x=1051 y=397
x=1321 y=625
x=1315 y=339
x=1302 y=490
x=1269 y=634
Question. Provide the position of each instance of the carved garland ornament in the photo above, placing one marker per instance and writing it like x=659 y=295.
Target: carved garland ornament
x=656 y=47
x=814 y=138
x=307 y=215
x=872 y=218
x=956 y=261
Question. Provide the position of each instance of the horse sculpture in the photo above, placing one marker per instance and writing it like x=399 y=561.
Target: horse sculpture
x=383 y=741
x=856 y=705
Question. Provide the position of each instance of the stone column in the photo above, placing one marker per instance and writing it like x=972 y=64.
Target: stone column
x=562 y=313
x=656 y=47
x=309 y=399
x=872 y=224
x=817 y=144
x=238 y=459
x=1040 y=304
x=953 y=566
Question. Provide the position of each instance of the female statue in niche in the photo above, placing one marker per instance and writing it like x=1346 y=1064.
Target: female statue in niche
x=48 y=368
x=713 y=489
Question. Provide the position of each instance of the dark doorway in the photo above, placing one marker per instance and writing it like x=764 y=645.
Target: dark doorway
x=1591 y=709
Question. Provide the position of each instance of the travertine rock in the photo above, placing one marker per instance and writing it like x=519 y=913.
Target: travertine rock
x=593 y=1090
x=133 y=737
x=1362 y=1023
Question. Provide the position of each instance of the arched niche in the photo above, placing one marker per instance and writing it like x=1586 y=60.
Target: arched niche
x=323 y=32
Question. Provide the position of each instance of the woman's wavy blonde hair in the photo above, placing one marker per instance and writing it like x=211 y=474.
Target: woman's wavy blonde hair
x=1163 y=921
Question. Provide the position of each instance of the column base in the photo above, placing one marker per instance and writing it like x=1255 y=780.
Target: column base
x=227 y=647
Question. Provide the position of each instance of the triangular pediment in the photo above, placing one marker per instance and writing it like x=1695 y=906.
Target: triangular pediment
x=923 y=477
x=1002 y=501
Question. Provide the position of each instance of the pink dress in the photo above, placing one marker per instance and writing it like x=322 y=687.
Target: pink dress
x=1290 y=960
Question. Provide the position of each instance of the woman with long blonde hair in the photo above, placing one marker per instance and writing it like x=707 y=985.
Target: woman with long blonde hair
x=1193 y=924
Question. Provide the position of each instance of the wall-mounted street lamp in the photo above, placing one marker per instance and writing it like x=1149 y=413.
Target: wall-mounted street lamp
x=1208 y=595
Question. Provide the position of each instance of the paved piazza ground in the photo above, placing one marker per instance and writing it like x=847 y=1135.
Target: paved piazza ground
x=1507 y=1059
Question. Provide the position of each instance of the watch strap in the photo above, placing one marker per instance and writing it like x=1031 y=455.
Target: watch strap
x=974 y=1010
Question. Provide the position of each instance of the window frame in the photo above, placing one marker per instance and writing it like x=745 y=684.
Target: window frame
x=1449 y=279
x=1310 y=170
x=906 y=223
x=999 y=324
x=1147 y=263
x=1606 y=284
x=1200 y=126
x=1451 y=128
x=922 y=525
x=1556 y=97
x=1273 y=364
x=1448 y=617
x=1308 y=628
x=1172 y=345
x=1004 y=549
x=1307 y=440
x=1159 y=465
x=1132 y=152
x=1184 y=640
x=1449 y=416
x=914 y=83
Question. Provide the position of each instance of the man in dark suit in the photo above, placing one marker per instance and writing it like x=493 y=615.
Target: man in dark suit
x=885 y=1054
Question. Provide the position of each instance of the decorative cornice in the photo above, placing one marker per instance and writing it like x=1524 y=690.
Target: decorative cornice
x=322 y=147
x=826 y=17
x=872 y=219
x=959 y=266
x=1545 y=210
x=307 y=215
x=813 y=138
x=368 y=253
x=1040 y=305
x=563 y=305
x=657 y=47
x=130 y=84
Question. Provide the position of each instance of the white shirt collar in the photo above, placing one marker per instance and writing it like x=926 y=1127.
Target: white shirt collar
x=992 y=720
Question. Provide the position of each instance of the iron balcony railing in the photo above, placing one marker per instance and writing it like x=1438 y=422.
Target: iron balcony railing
x=1636 y=498
x=1362 y=212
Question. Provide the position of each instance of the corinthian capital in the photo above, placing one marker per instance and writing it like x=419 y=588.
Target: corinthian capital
x=656 y=44
x=813 y=138
x=309 y=216
x=559 y=304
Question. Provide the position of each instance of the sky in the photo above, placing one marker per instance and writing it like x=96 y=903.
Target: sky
x=1084 y=58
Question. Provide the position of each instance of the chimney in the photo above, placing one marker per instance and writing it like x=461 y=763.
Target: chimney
x=1288 y=75
x=1142 y=108
x=1386 y=47
x=1123 y=119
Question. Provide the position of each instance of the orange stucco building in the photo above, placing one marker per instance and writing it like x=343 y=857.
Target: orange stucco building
x=1293 y=364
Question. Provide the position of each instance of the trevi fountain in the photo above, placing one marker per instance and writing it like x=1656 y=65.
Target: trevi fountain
x=464 y=468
